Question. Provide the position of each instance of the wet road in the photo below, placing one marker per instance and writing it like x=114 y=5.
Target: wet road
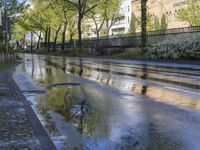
x=115 y=105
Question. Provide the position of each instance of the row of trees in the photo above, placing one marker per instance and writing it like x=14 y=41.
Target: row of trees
x=60 y=19
x=6 y=55
x=189 y=14
x=10 y=10
x=153 y=23
x=56 y=19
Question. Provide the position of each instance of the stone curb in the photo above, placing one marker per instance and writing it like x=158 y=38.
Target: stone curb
x=39 y=131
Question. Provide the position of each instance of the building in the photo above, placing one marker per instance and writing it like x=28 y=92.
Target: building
x=122 y=25
x=89 y=29
x=169 y=8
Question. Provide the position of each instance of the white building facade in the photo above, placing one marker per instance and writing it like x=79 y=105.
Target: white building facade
x=122 y=26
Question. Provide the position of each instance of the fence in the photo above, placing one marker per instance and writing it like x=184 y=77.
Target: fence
x=6 y=57
x=133 y=40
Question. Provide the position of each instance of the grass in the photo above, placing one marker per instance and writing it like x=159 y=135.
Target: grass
x=134 y=54
x=75 y=53
x=7 y=65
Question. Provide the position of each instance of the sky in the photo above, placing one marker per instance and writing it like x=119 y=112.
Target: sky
x=22 y=0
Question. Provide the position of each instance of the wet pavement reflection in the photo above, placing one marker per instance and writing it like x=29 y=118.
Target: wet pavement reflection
x=114 y=105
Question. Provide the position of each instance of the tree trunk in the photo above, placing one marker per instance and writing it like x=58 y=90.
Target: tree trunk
x=71 y=39
x=46 y=37
x=39 y=38
x=107 y=28
x=49 y=39
x=23 y=43
x=144 y=23
x=80 y=31
x=96 y=26
x=63 y=38
x=98 y=34
x=31 y=41
x=55 y=39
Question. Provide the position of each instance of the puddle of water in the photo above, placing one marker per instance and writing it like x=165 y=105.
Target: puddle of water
x=114 y=111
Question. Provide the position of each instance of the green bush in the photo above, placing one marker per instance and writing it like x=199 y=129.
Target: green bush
x=1 y=35
x=185 y=48
x=136 y=53
x=2 y=47
x=11 y=48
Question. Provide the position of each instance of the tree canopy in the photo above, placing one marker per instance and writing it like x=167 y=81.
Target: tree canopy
x=190 y=14
x=13 y=8
x=59 y=20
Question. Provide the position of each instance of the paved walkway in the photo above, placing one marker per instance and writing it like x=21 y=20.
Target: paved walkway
x=20 y=129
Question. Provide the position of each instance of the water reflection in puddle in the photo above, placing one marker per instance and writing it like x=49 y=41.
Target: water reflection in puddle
x=111 y=111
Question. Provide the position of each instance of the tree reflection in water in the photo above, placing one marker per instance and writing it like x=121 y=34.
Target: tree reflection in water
x=94 y=112
x=78 y=113
x=81 y=67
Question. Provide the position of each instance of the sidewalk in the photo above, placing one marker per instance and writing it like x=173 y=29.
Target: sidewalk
x=20 y=129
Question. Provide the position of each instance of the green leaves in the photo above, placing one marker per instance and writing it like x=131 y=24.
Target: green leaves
x=13 y=8
x=133 y=25
x=164 y=23
x=154 y=23
x=69 y=14
x=191 y=14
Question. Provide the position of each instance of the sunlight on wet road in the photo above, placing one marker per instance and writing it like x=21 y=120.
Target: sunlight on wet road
x=129 y=105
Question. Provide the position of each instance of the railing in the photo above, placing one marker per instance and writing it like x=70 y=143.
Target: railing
x=133 y=39
x=6 y=57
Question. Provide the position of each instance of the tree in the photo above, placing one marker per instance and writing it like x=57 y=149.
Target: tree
x=82 y=7
x=41 y=18
x=133 y=25
x=1 y=35
x=105 y=15
x=31 y=21
x=153 y=22
x=24 y=26
x=98 y=20
x=11 y=8
x=191 y=14
x=150 y=22
x=143 y=23
x=63 y=10
x=111 y=13
x=72 y=27
x=156 y=23
x=164 y=24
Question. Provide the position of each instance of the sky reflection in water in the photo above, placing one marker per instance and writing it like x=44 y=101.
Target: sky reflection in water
x=114 y=110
